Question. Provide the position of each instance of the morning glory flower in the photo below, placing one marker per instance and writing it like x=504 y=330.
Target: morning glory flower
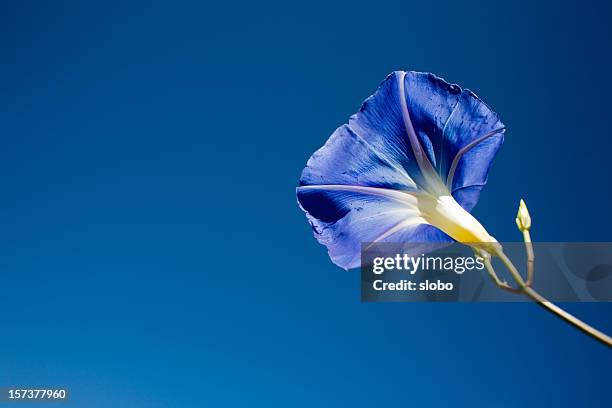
x=408 y=167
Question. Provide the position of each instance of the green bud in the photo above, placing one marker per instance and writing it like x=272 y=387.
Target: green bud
x=523 y=219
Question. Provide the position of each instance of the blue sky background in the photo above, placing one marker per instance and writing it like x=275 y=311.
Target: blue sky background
x=151 y=250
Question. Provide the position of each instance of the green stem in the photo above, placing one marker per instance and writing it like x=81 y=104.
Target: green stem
x=551 y=307
x=530 y=256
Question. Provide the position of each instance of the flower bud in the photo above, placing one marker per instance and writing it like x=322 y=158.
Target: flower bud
x=523 y=219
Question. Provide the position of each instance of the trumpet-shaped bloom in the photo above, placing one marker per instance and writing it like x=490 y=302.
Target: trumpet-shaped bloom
x=408 y=167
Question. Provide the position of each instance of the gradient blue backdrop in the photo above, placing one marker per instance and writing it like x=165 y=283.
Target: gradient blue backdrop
x=151 y=250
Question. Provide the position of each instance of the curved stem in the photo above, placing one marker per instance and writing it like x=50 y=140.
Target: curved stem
x=551 y=307
x=502 y=284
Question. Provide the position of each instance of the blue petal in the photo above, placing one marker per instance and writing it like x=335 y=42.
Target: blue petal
x=348 y=158
x=431 y=101
x=380 y=122
x=343 y=220
x=454 y=125
x=472 y=137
